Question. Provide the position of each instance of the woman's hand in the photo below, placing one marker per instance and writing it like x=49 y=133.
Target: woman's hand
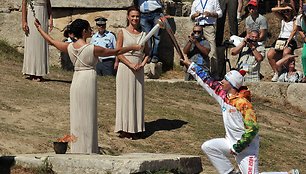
x=137 y=47
x=37 y=23
x=25 y=28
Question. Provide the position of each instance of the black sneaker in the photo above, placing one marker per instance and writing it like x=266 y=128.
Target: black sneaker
x=154 y=59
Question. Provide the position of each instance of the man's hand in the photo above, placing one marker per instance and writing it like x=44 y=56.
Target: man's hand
x=233 y=153
x=207 y=14
x=185 y=62
x=196 y=14
x=192 y=39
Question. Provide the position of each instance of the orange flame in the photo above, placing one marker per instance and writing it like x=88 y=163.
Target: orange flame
x=68 y=138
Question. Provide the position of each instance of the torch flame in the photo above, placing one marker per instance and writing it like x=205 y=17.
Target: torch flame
x=68 y=138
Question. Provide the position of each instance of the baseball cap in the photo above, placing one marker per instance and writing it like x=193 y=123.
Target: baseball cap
x=253 y=3
x=235 y=78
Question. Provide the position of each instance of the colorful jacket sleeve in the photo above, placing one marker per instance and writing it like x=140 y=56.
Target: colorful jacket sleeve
x=203 y=78
x=250 y=123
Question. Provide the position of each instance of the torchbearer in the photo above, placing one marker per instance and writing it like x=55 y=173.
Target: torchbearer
x=240 y=122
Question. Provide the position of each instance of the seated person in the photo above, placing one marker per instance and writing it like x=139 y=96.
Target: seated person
x=197 y=49
x=289 y=73
x=250 y=56
x=283 y=45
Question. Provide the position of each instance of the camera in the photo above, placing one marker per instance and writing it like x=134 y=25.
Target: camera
x=250 y=40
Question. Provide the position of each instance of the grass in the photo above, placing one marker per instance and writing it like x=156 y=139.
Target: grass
x=179 y=118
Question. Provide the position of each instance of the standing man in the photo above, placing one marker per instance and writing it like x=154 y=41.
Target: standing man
x=106 y=66
x=151 y=11
x=205 y=14
x=229 y=6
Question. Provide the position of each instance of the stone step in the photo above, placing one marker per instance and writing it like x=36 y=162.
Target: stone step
x=105 y=164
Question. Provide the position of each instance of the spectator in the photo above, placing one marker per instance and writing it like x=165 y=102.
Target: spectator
x=289 y=73
x=301 y=28
x=130 y=80
x=229 y=6
x=295 y=4
x=250 y=56
x=35 y=62
x=205 y=14
x=83 y=90
x=239 y=10
x=106 y=66
x=65 y=59
x=197 y=49
x=151 y=11
x=256 y=21
x=280 y=48
x=240 y=123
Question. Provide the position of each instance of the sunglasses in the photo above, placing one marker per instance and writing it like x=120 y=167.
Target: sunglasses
x=195 y=31
x=286 y=11
x=101 y=25
x=251 y=7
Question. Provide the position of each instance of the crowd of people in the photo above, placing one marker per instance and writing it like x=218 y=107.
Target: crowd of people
x=123 y=56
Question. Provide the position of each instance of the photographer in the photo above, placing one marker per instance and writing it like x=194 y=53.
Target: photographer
x=197 y=49
x=250 y=56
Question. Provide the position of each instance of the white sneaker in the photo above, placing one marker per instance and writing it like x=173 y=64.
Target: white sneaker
x=294 y=171
x=275 y=77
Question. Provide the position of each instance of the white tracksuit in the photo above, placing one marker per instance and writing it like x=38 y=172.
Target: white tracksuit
x=240 y=126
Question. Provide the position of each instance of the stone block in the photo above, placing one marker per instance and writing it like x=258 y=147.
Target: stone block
x=102 y=164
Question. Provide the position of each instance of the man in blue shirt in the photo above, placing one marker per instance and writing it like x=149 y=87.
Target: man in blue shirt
x=107 y=65
x=197 y=49
x=151 y=11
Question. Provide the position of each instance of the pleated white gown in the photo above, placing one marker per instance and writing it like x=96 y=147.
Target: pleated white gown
x=83 y=100
x=35 y=60
x=130 y=90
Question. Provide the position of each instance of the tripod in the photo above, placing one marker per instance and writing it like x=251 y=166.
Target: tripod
x=228 y=44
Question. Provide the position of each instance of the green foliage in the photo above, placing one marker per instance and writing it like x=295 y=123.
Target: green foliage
x=46 y=168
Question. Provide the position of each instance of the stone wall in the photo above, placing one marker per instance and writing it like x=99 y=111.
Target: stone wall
x=66 y=11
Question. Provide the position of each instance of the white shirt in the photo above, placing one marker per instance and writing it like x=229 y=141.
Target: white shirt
x=107 y=40
x=211 y=6
x=286 y=29
x=149 y=5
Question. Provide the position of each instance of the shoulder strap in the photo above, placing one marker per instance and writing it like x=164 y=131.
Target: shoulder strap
x=78 y=58
x=203 y=6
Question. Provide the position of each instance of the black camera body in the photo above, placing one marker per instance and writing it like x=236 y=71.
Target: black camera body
x=250 y=40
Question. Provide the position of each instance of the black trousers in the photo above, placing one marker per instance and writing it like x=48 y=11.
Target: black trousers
x=106 y=68
x=229 y=7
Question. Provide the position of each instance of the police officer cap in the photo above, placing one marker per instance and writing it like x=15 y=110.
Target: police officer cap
x=100 y=21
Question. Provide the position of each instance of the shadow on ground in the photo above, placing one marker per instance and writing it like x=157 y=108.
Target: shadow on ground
x=6 y=162
x=162 y=124
x=58 y=80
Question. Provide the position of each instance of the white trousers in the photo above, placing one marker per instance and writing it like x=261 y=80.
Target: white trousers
x=218 y=151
